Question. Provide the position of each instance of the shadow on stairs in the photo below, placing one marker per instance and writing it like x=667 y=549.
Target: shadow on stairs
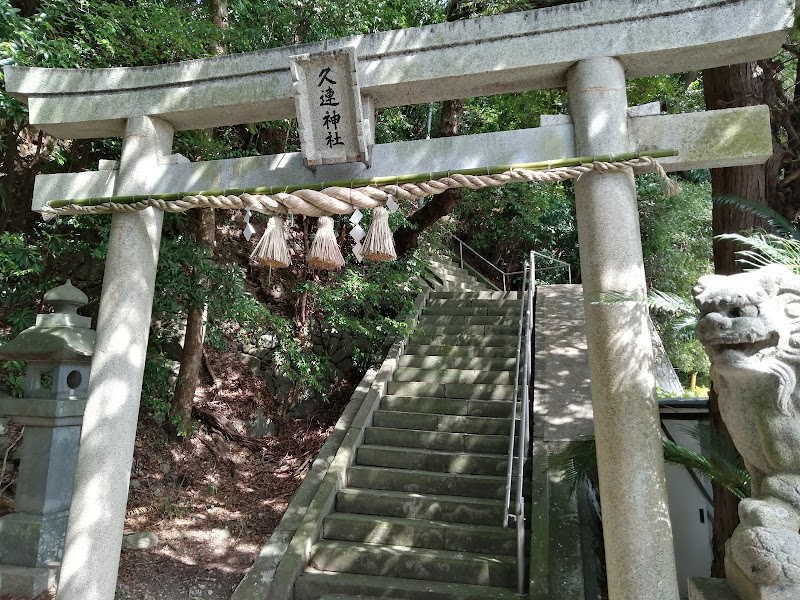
x=412 y=504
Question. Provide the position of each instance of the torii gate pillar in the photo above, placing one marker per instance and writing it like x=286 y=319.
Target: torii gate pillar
x=640 y=559
x=94 y=534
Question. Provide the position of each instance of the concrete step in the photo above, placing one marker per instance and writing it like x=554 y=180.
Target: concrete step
x=453 y=273
x=459 y=286
x=447 y=406
x=427 y=482
x=465 y=339
x=415 y=505
x=417 y=349
x=423 y=361
x=428 y=460
x=451 y=270
x=436 y=535
x=503 y=377
x=481 y=295
x=313 y=585
x=461 y=320
x=511 y=312
x=487 y=330
x=471 y=391
x=413 y=563
x=445 y=264
x=446 y=423
x=474 y=302
x=436 y=440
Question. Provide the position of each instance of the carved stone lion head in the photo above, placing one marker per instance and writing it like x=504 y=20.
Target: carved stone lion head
x=749 y=317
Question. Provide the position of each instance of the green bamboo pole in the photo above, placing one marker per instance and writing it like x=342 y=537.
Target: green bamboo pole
x=375 y=181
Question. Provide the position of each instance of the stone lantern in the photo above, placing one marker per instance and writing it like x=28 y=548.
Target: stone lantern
x=58 y=351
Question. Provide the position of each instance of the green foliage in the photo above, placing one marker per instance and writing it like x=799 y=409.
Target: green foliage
x=676 y=234
x=159 y=377
x=14 y=375
x=676 y=243
x=504 y=224
x=511 y=111
x=295 y=356
x=83 y=33
x=678 y=93
x=188 y=277
x=254 y=25
x=367 y=303
x=20 y=262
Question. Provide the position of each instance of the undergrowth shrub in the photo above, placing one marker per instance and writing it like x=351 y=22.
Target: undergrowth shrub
x=368 y=303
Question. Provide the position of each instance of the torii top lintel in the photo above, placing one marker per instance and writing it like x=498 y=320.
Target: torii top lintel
x=485 y=56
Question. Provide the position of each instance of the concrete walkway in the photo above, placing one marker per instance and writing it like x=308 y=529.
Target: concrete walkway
x=562 y=404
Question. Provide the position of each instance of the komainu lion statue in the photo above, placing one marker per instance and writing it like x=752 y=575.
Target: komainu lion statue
x=750 y=327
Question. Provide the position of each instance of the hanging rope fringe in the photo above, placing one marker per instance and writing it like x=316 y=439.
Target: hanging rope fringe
x=325 y=253
x=343 y=200
x=379 y=244
x=272 y=250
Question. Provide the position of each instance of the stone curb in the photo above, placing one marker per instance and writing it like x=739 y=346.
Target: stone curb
x=282 y=558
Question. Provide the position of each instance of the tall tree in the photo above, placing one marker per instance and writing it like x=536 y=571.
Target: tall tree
x=726 y=87
x=205 y=234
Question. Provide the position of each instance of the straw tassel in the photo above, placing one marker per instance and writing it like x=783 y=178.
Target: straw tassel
x=379 y=244
x=272 y=250
x=325 y=253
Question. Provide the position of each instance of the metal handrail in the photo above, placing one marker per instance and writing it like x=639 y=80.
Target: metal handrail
x=518 y=452
x=506 y=275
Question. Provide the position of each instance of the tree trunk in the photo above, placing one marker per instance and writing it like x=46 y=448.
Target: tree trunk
x=407 y=238
x=726 y=87
x=192 y=356
x=27 y=8
x=8 y=182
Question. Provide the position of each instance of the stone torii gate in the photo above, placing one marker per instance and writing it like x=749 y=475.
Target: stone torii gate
x=589 y=47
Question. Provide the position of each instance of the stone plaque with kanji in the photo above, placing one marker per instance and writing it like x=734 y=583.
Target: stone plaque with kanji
x=329 y=111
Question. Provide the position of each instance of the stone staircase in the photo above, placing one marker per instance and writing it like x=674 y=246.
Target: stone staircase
x=421 y=514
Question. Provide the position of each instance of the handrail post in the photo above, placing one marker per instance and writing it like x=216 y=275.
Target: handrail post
x=514 y=405
x=461 y=253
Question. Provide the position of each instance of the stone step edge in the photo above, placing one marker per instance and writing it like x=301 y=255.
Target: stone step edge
x=501 y=539
x=426 y=564
x=430 y=552
x=401 y=589
x=422 y=523
x=436 y=452
x=402 y=398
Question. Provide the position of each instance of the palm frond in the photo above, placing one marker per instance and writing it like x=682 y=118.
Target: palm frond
x=762 y=249
x=730 y=476
x=577 y=462
x=782 y=226
x=669 y=303
x=683 y=327
x=719 y=462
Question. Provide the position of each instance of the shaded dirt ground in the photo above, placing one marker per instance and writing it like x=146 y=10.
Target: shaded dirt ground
x=211 y=502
